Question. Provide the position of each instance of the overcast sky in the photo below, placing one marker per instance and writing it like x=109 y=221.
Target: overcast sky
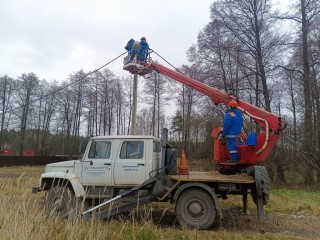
x=54 y=38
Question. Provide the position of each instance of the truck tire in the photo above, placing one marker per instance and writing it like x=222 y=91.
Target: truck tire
x=195 y=209
x=264 y=182
x=61 y=202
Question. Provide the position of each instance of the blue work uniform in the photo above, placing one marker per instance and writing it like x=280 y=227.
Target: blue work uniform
x=133 y=48
x=129 y=45
x=143 y=52
x=232 y=126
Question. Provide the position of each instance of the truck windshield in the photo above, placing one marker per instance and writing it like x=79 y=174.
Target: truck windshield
x=100 y=149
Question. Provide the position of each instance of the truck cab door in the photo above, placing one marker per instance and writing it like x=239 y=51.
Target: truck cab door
x=130 y=163
x=97 y=164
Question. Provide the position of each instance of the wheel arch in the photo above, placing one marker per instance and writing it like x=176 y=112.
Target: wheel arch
x=69 y=179
x=201 y=186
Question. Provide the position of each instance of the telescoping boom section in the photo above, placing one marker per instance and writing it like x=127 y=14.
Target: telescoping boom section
x=249 y=153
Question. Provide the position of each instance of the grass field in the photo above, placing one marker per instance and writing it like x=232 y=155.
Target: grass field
x=291 y=214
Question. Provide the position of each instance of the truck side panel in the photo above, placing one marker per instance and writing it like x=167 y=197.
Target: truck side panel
x=97 y=163
x=130 y=162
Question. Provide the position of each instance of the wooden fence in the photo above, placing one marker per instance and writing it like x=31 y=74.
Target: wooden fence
x=30 y=160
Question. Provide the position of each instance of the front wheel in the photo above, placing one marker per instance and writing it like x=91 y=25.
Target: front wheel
x=60 y=201
x=195 y=208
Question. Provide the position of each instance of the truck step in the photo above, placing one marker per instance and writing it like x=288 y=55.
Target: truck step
x=99 y=192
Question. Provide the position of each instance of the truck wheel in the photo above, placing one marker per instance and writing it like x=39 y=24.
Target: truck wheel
x=264 y=181
x=61 y=202
x=195 y=208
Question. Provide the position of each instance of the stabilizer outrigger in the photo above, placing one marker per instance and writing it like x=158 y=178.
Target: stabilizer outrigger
x=149 y=184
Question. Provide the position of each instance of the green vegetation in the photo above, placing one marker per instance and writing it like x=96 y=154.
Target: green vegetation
x=297 y=202
x=21 y=217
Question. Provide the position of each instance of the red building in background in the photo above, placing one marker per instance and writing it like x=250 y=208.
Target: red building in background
x=28 y=152
x=7 y=152
x=10 y=152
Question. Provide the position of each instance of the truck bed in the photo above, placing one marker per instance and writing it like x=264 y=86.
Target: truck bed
x=197 y=176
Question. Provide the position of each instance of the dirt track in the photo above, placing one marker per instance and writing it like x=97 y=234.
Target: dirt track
x=234 y=221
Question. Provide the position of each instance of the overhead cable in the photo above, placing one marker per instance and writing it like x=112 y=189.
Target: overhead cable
x=69 y=84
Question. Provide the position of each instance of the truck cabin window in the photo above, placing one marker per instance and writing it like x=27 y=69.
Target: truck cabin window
x=100 y=149
x=132 y=150
x=156 y=146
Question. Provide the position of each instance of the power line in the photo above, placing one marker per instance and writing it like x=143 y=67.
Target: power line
x=166 y=61
x=69 y=84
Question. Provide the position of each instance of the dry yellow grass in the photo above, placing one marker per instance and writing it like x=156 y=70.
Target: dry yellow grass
x=22 y=217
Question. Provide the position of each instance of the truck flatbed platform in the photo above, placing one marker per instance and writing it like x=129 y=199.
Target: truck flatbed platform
x=213 y=176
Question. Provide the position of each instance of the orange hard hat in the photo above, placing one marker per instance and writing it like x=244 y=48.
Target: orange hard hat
x=143 y=39
x=233 y=103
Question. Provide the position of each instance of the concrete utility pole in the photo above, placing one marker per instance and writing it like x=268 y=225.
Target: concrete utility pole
x=134 y=105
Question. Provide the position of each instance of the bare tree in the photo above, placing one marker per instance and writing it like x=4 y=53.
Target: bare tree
x=6 y=94
x=27 y=86
x=127 y=111
x=250 y=22
x=155 y=96
x=46 y=109
x=70 y=100
x=306 y=14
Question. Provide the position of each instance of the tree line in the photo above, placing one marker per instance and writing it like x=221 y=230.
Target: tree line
x=244 y=50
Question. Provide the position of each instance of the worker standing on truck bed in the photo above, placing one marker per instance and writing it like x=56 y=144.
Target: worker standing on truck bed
x=232 y=126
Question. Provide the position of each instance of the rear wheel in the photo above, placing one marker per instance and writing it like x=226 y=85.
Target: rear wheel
x=61 y=202
x=262 y=177
x=195 y=208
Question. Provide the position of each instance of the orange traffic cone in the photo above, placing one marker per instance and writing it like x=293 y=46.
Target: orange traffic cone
x=183 y=167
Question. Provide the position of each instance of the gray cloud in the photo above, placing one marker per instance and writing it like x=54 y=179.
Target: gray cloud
x=55 y=38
